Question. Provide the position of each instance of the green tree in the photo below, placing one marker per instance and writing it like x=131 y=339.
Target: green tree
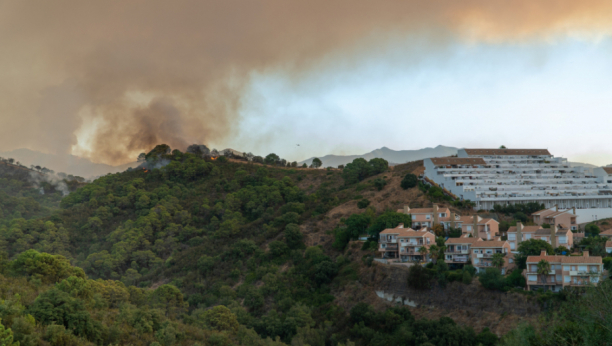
x=316 y=163
x=531 y=247
x=364 y=203
x=389 y=219
x=271 y=159
x=492 y=279
x=543 y=268
x=592 y=229
x=220 y=318
x=410 y=180
x=379 y=183
x=423 y=252
x=466 y=277
x=6 y=336
x=293 y=236
x=498 y=260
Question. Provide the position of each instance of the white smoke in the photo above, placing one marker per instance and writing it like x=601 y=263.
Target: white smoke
x=54 y=179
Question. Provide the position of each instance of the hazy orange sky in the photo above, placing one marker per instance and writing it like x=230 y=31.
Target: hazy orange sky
x=108 y=80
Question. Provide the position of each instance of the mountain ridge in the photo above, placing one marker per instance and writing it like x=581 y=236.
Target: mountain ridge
x=66 y=163
x=394 y=157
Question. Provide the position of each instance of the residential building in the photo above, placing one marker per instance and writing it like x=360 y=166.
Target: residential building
x=609 y=246
x=565 y=271
x=607 y=234
x=517 y=234
x=554 y=216
x=509 y=176
x=482 y=254
x=428 y=217
x=458 y=250
x=403 y=244
x=486 y=228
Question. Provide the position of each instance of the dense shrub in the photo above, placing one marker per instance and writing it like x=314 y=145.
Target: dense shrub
x=410 y=180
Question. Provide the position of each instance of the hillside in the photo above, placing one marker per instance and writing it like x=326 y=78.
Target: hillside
x=225 y=252
x=392 y=156
x=64 y=163
x=29 y=194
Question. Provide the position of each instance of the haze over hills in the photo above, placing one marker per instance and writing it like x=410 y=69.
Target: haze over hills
x=395 y=157
x=392 y=156
x=69 y=164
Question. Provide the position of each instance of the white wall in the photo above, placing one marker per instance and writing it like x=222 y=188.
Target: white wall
x=588 y=215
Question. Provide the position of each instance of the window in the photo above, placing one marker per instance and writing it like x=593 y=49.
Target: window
x=527 y=236
x=511 y=236
x=544 y=238
x=428 y=217
x=566 y=268
x=534 y=268
x=532 y=277
x=442 y=214
x=512 y=246
x=566 y=279
x=469 y=228
x=582 y=268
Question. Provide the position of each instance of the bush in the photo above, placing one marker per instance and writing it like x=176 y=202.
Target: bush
x=607 y=262
x=379 y=183
x=419 y=277
x=409 y=181
x=364 y=203
x=467 y=278
x=492 y=279
x=470 y=269
x=520 y=216
x=592 y=229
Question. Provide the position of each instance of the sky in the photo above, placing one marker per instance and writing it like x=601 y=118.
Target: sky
x=108 y=81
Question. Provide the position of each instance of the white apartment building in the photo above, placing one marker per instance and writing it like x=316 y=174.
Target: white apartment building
x=510 y=176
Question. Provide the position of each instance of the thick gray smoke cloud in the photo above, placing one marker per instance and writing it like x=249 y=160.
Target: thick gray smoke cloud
x=125 y=75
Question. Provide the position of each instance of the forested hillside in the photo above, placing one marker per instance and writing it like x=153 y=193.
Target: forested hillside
x=194 y=250
x=200 y=251
x=29 y=193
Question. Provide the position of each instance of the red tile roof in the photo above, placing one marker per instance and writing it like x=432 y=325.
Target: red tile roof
x=565 y=259
x=607 y=169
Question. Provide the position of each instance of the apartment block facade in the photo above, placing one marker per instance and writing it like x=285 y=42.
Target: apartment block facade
x=483 y=251
x=558 y=218
x=428 y=217
x=458 y=250
x=519 y=233
x=510 y=176
x=403 y=244
x=565 y=271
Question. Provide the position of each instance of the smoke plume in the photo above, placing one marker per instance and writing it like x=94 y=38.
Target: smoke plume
x=112 y=79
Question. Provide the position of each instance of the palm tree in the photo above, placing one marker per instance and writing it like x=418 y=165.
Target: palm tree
x=433 y=252
x=498 y=260
x=423 y=252
x=543 y=269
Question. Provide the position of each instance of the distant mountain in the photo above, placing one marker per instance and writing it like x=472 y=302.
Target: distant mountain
x=393 y=156
x=69 y=164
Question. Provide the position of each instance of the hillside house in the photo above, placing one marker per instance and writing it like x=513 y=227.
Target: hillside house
x=403 y=244
x=517 y=234
x=565 y=271
x=428 y=217
x=458 y=250
x=483 y=251
x=609 y=246
x=555 y=217
x=606 y=234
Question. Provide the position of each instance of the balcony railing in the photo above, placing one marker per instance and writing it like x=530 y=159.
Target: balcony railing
x=490 y=255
